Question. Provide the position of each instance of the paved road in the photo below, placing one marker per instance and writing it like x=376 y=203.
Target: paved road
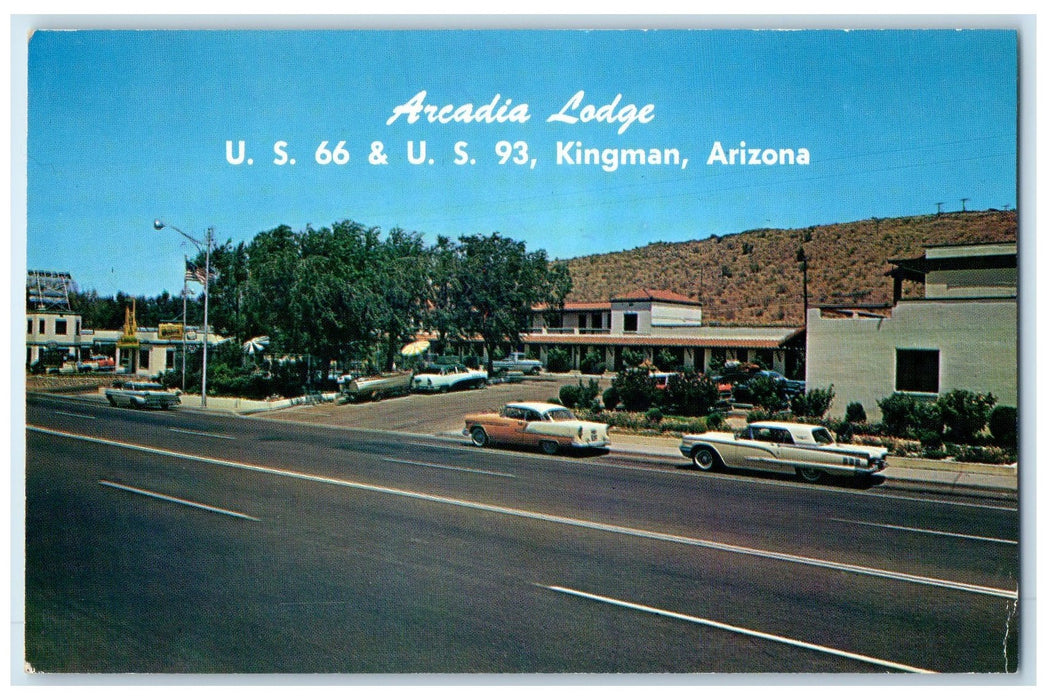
x=186 y=542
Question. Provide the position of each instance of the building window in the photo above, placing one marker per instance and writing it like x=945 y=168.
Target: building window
x=170 y=361
x=597 y=321
x=143 y=358
x=582 y=319
x=917 y=370
x=630 y=323
x=61 y=326
x=43 y=327
x=29 y=328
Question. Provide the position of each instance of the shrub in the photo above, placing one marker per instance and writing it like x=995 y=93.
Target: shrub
x=758 y=415
x=610 y=398
x=667 y=361
x=908 y=417
x=763 y=391
x=635 y=388
x=715 y=420
x=592 y=363
x=964 y=413
x=814 y=403
x=654 y=415
x=1003 y=425
x=632 y=358
x=557 y=360
x=587 y=395
x=569 y=395
x=855 y=413
x=690 y=394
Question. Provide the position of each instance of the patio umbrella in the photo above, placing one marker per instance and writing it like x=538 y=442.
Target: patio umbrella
x=256 y=344
x=415 y=348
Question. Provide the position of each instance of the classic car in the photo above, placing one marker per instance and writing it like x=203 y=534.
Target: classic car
x=447 y=377
x=548 y=426
x=517 y=362
x=374 y=386
x=141 y=395
x=811 y=451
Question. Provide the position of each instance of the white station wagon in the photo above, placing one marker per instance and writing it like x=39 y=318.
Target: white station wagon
x=810 y=451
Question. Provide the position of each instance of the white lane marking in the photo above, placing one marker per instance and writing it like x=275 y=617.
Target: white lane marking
x=179 y=501
x=77 y=415
x=201 y=433
x=942 y=533
x=557 y=519
x=738 y=630
x=448 y=467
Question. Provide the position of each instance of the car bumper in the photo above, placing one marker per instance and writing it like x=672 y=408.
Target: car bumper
x=591 y=445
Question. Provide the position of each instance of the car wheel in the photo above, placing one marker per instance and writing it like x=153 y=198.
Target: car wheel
x=549 y=447
x=705 y=459
x=479 y=436
x=112 y=401
x=811 y=476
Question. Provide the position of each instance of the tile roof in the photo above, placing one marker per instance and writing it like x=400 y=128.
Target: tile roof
x=655 y=295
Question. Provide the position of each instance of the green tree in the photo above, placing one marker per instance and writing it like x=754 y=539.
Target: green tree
x=403 y=290
x=500 y=283
x=315 y=291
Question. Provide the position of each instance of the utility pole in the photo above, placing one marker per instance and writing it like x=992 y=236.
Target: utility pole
x=964 y=202
x=801 y=257
x=940 y=208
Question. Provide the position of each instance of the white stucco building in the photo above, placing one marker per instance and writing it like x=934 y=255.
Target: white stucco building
x=658 y=322
x=962 y=334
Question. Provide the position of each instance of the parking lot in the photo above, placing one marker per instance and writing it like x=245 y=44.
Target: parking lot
x=430 y=414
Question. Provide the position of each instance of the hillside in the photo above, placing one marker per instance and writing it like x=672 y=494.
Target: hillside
x=752 y=278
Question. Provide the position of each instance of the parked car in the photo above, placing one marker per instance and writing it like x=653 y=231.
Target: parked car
x=517 y=362
x=374 y=386
x=550 y=427
x=141 y=395
x=787 y=388
x=810 y=451
x=438 y=378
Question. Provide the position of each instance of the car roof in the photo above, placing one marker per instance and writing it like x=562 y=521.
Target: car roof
x=795 y=428
x=539 y=406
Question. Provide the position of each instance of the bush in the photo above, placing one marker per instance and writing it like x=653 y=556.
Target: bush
x=593 y=363
x=690 y=394
x=654 y=415
x=855 y=413
x=635 y=388
x=581 y=396
x=814 y=403
x=557 y=360
x=763 y=391
x=632 y=358
x=964 y=414
x=569 y=395
x=1003 y=425
x=610 y=398
x=908 y=417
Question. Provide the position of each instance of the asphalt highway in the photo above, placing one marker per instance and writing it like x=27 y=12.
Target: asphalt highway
x=186 y=542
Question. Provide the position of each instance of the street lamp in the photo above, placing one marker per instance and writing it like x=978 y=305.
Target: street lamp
x=205 y=246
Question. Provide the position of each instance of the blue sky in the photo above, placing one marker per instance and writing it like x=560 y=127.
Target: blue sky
x=128 y=126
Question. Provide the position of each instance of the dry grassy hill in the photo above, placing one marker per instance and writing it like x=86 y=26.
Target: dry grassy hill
x=752 y=278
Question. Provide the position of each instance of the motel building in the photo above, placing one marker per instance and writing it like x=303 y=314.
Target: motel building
x=657 y=322
x=962 y=333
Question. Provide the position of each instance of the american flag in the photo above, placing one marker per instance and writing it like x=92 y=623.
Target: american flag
x=193 y=273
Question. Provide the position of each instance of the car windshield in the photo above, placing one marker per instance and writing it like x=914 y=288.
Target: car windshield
x=560 y=414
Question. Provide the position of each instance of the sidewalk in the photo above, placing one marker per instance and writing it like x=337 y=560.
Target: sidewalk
x=901 y=472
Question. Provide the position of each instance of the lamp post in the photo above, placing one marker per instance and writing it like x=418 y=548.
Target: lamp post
x=205 y=246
